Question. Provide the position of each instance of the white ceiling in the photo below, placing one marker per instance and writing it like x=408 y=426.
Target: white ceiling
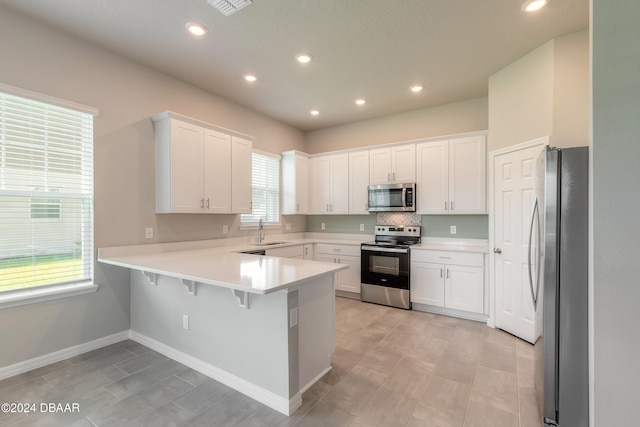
x=373 y=49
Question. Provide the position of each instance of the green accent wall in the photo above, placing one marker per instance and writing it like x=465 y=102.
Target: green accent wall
x=468 y=226
x=349 y=224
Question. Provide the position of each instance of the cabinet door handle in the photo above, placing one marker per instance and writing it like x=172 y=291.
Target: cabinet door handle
x=208 y=204
x=394 y=176
x=201 y=203
x=441 y=273
x=447 y=273
x=452 y=205
x=445 y=205
x=388 y=176
x=297 y=207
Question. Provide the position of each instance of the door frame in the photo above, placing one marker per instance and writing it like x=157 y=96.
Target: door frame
x=544 y=140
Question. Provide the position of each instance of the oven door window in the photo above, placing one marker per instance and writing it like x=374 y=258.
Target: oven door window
x=384 y=265
x=385 y=269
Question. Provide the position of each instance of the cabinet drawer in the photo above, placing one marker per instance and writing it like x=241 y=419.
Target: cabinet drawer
x=445 y=257
x=327 y=248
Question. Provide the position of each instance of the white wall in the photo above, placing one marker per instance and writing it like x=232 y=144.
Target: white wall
x=616 y=203
x=458 y=117
x=571 y=90
x=521 y=98
x=38 y=58
x=544 y=93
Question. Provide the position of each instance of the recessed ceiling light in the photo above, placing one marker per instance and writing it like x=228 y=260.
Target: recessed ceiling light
x=196 y=29
x=304 y=58
x=314 y=112
x=360 y=101
x=533 y=5
x=250 y=77
x=416 y=88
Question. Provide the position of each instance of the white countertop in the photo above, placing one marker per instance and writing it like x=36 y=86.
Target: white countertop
x=212 y=262
x=218 y=266
x=456 y=245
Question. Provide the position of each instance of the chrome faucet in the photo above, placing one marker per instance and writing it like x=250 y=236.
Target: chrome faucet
x=260 y=233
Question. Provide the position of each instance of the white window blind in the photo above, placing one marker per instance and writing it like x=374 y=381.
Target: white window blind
x=265 y=183
x=46 y=194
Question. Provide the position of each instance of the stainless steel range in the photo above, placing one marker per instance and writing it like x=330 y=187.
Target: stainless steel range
x=384 y=265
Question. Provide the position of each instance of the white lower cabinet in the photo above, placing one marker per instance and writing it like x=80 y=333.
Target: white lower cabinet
x=307 y=252
x=346 y=280
x=451 y=280
x=287 y=252
x=427 y=283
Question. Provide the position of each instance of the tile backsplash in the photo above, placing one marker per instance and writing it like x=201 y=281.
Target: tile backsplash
x=398 y=218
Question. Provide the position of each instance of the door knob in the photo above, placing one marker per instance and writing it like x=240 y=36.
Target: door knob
x=497 y=250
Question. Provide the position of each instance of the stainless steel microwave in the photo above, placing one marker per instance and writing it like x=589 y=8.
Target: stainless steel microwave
x=392 y=198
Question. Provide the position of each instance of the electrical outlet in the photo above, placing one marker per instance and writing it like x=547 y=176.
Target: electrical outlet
x=322 y=226
x=288 y=226
x=453 y=229
x=293 y=317
x=225 y=229
x=148 y=233
x=361 y=227
x=185 y=322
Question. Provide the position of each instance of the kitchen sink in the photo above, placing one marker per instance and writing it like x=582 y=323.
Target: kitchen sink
x=268 y=243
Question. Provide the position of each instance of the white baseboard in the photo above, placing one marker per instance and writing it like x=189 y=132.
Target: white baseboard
x=313 y=381
x=450 y=312
x=57 y=356
x=266 y=397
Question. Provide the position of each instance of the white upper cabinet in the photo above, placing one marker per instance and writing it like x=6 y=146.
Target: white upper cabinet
x=359 y=182
x=467 y=175
x=200 y=168
x=241 y=192
x=432 y=184
x=451 y=176
x=295 y=183
x=329 y=190
x=217 y=170
x=392 y=165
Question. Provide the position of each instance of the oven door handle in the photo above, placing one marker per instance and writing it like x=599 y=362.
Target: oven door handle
x=379 y=249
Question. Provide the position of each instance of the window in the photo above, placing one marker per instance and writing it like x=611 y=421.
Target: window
x=265 y=182
x=46 y=194
x=45 y=207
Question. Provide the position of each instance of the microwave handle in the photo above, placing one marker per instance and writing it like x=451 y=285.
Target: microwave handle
x=404 y=197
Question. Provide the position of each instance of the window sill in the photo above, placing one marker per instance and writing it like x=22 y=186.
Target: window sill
x=35 y=295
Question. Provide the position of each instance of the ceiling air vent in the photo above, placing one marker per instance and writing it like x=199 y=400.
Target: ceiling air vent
x=229 y=7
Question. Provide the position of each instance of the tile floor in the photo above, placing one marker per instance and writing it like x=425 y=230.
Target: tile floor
x=391 y=368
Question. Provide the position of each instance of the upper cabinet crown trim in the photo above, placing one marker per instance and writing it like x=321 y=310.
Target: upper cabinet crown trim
x=172 y=115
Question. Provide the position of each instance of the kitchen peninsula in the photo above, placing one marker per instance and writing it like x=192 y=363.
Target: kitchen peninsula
x=259 y=324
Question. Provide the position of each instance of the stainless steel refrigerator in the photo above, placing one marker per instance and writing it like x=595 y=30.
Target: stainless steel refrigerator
x=562 y=363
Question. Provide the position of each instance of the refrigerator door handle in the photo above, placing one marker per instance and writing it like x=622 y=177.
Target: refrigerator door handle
x=535 y=218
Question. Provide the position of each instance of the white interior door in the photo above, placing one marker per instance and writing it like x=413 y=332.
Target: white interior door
x=516 y=186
